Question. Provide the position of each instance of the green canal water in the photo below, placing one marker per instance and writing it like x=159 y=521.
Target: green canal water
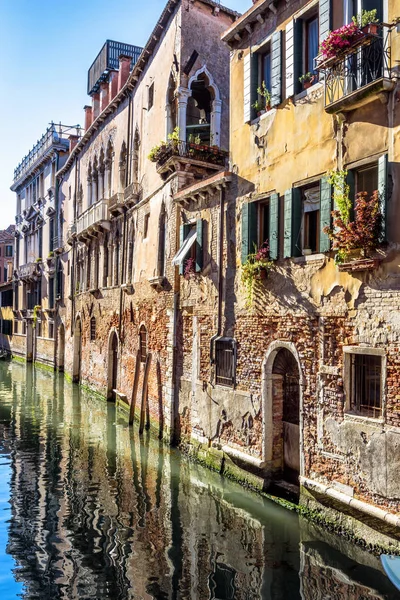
x=90 y=510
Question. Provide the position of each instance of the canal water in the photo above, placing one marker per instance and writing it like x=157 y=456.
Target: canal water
x=90 y=510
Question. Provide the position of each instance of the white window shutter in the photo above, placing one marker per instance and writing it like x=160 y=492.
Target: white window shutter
x=247 y=87
x=290 y=59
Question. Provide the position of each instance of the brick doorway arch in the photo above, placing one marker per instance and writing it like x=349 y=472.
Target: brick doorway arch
x=282 y=397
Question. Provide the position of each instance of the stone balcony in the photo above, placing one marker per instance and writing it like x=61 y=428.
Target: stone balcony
x=94 y=220
x=190 y=157
x=122 y=200
x=29 y=272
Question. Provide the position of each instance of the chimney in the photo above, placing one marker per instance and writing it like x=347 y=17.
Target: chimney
x=88 y=116
x=103 y=95
x=95 y=105
x=73 y=140
x=124 y=70
x=113 y=85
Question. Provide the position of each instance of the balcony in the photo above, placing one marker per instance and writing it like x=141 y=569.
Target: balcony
x=179 y=156
x=49 y=141
x=360 y=75
x=29 y=272
x=95 y=219
x=126 y=199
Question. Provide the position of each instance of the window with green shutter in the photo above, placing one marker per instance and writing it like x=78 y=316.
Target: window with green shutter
x=276 y=68
x=250 y=83
x=325 y=214
x=249 y=229
x=260 y=222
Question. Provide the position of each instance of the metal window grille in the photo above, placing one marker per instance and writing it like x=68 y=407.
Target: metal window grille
x=225 y=362
x=92 y=329
x=365 y=381
x=143 y=344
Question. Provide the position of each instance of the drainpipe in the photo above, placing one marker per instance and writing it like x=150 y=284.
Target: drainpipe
x=73 y=262
x=220 y=272
x=124 y=244
x=55 y=320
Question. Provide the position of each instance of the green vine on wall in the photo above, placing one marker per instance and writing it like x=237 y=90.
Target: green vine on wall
x=36 y=309
x=341 y=193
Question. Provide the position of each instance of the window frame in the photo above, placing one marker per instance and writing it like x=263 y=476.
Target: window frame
x=305 y=219
x=233 y=344
x=348 y=352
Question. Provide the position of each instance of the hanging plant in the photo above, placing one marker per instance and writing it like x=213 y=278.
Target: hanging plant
x=364 y=233
x=256 y=267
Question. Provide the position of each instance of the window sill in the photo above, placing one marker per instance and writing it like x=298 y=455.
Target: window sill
x=316 y=86
x=355 y=417
x=309 y=258
x=265 y=115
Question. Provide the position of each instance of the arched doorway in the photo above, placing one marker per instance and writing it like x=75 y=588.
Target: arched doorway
x=76 y=367
x=282 y=386
x=112 y=366
x=61 y=348
x=287 y=401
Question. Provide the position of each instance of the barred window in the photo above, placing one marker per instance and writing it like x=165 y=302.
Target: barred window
x=143 y=343
x=92 y=329
x=225 y=363
x=366 y=384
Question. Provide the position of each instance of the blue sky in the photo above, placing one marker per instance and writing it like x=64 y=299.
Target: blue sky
x=46 y=49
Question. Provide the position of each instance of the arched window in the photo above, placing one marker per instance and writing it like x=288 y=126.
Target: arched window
x=143 y=343
x=135 y=157
x=131 y=246
x=198 y=115
x=116 y=257
x=89 y=185
x=122 y=168
x=95 y=181
x=101 y=171
x=109 y=170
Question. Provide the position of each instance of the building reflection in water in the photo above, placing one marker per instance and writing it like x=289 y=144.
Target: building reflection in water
x=98 y=512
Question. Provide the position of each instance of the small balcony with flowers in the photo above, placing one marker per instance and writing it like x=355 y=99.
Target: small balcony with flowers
x=193 y=156
x=355 y=63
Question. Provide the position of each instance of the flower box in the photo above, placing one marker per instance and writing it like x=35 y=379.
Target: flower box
x=359 y=265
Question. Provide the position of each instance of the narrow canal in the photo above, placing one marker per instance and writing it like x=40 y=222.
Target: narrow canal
x=89 y=510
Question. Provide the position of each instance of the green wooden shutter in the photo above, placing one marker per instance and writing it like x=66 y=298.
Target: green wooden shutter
x=297 y=55
x=250 y=83
x=249 y=229
x=324 y=19
x=382 y=189
x=276 y=68
x=351 y=182
x=273 y=234
x=289 y=57
x=297 y=213
x=287 y=243
x=325 y=214
x=199 y=245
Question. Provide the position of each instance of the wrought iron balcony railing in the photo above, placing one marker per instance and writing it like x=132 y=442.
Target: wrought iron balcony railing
x=48 y=139
x=189 y=150
x=95 y=215
x=365 y=67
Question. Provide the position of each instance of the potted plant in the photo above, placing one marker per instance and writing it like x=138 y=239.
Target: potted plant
x=339 y=40
x=260 y=106
x=367 y=22
x=307 y=80
x=256 y=267
x=363 y=234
